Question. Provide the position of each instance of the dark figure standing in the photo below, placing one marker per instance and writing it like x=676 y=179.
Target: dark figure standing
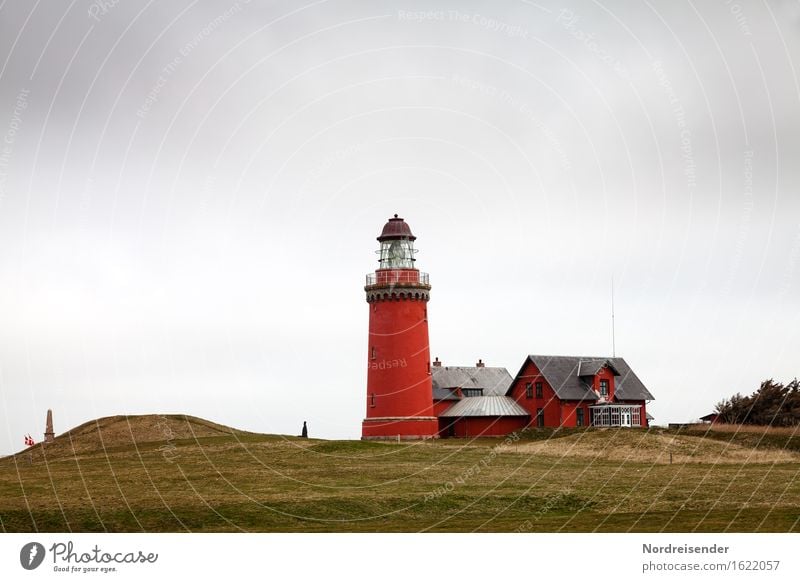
x=304 y=434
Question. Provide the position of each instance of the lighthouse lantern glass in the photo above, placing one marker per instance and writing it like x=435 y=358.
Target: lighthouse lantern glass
x=397 y=254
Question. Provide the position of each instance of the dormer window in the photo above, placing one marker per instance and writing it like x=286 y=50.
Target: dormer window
x=604 y=388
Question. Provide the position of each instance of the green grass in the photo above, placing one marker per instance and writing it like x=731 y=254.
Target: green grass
x=248 y=482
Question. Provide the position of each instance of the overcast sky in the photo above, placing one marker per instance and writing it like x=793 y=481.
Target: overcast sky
x=190 y=194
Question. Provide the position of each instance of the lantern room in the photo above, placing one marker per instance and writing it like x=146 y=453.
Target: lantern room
x=397 y=245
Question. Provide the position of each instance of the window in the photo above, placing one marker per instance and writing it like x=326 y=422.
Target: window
x=601 y=416
x=372 y=353
x=538 y=390
x=472 y=392
x=579 y=417
x=372 y=400
x=603 y=387
x=540 y=417
x=528 y=390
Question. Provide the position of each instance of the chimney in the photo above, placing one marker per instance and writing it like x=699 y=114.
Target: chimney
x=437 y=363
x=480 y=364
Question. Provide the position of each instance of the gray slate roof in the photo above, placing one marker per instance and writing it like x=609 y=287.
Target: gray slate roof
x=485 y=406
x=444 y=394
x=494 y=381
x=562 y=373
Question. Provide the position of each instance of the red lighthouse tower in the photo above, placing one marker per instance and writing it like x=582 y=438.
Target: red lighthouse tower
x=399 y=389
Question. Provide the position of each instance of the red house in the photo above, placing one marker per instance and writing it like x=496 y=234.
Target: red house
x=580 y=391
x=548 y=391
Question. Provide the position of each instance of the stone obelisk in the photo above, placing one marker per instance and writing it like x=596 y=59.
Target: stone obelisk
x=49 y=435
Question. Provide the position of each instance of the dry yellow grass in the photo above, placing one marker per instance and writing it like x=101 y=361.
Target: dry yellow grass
x=749 y=428
x=648 y=447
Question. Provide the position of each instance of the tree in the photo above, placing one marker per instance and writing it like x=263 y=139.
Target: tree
x=773 y=404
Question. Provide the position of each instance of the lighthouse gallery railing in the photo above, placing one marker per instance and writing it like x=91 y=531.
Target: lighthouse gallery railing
x=390 y=277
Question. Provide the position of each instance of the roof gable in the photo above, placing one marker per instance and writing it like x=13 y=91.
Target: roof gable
x=592 y=367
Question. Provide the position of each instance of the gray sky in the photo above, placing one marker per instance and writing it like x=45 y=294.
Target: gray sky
x=190 y=194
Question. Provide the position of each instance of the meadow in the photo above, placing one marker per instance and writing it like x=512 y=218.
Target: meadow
x=160 y=473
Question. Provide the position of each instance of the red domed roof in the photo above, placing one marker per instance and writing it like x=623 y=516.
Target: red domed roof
x=396 y=228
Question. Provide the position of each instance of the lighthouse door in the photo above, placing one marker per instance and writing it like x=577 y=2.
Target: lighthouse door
x=625 y=417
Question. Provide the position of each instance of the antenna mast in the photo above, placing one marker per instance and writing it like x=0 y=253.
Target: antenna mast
x=613 y=335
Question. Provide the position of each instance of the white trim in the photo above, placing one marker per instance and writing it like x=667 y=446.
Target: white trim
x=611 y=415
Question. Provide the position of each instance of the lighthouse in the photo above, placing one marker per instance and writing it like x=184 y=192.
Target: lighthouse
x=399 y=388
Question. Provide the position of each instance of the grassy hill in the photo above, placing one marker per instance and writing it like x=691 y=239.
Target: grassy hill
x=180 y=473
